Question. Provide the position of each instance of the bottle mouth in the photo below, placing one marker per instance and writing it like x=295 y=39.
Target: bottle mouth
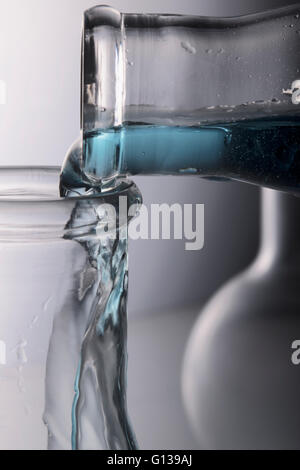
x=31 y=208
x=102 y=69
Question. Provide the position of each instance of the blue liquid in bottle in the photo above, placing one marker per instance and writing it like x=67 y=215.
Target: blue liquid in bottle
x=264 y=152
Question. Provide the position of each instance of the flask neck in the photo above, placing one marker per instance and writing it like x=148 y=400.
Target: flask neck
x=280 y=228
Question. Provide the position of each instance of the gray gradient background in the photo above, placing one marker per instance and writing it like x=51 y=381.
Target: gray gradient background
x=40 y=62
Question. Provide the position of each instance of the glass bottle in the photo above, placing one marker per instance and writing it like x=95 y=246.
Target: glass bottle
x=240 y=380
x=171 y=94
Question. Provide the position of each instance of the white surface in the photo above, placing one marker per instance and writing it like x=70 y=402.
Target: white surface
x=156 y=345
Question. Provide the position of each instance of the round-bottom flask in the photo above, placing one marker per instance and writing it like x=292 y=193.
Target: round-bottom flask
x=241 y=384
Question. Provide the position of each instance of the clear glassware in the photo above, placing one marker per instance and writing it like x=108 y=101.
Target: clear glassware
x=171 y=94
x=240 y=386
x=63 y=296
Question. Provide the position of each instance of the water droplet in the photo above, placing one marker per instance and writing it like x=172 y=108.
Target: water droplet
x=46 y=303
x=297 y=16
x=208 y=51
x=87 y=280
x=291 y=25
x=33 y=321
x=221 y=51
x=130 y=63
x=21 y=351
x=188 y=47
x=21 y=385
x=103 y=110
x=188 y=171
x=250 y=75
x=238 y=58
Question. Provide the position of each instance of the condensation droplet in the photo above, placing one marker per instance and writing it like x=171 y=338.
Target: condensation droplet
x=34 y=321
x=221 y=51
x=46 y=304
x=87 y=280
x=238 y=58
x=208 y=51
x=188 y=47
x=130 y=63
x=21 y=385
x=188 y=171
x=21 y=351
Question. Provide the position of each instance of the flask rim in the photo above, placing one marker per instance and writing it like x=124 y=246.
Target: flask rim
x=31 y=209
x=13 y=190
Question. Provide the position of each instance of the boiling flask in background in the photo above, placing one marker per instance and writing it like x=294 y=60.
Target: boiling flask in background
x=240 y=380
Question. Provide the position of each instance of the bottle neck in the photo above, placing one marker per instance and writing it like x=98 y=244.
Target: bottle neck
x=169 y=94
x=280 y=228
x=178 y=70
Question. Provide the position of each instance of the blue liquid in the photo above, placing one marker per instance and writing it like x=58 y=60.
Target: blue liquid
x=151 y=150
x=264 y=152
